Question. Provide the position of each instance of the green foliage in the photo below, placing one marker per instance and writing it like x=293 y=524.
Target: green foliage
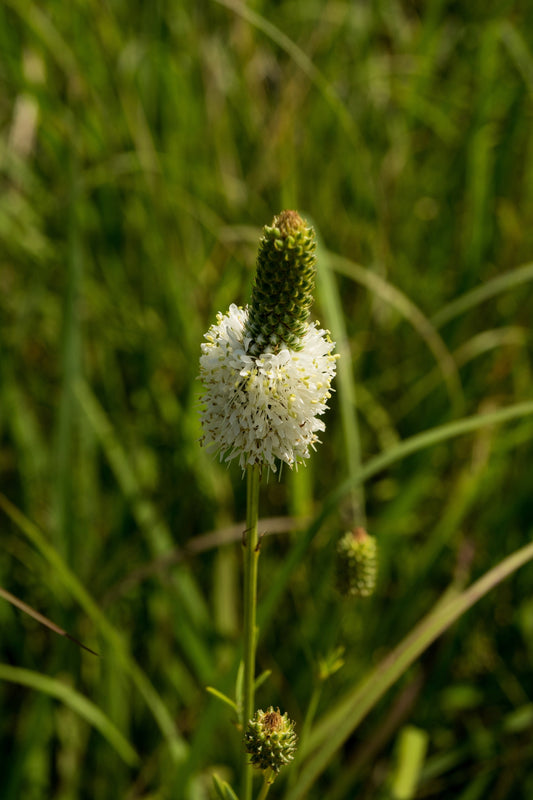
x=142 y=148
x=223 y=789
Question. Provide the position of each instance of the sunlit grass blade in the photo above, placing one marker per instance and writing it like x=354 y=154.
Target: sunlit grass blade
x=339 y=723
x=412 y=747
x=424 y=327
x=20 y=604
x=41 y=24
x=519 y=51
x=77 y=702
x=491 y=288
x=478 y=345
x=223 y=789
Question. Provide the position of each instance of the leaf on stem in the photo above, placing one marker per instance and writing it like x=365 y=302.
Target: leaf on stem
x=223 y=697
x=223 y=789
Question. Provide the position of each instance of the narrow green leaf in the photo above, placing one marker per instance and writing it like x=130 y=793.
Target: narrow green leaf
x=223 y=697
x=219 y=787
x=32 y=612
x=259 y=681
x=426 y=328
x=519 y=50
x=502 y=283
x=223 y=789
x=77 y=702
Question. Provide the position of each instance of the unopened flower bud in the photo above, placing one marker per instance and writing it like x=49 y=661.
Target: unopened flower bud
x=356 y=564
x=283 y=290
x=270 y=740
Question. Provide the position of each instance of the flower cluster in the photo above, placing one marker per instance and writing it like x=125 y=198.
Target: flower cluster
x=270 y=740
x=259 y=409
x=268 y=378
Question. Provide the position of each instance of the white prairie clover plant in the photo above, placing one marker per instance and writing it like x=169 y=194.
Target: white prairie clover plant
x=268 y=371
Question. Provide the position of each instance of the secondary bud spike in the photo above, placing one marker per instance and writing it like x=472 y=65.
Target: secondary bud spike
x=356 y=564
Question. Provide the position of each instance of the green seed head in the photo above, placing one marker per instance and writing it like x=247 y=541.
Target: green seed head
x=270 y=740
x=283 y=290
x=356 y=564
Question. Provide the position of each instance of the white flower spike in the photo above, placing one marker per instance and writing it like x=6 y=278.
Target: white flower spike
x=267 y=371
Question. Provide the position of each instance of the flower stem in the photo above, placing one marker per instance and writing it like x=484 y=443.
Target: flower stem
x=251 y=557
x=267 y=783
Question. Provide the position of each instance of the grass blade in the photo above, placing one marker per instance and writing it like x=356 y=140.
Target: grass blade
x=20 y=604
x=424 y=327
x=489 y=289
x=77 y=702
x=376 y=465
x=342 y=720
x=81 y=595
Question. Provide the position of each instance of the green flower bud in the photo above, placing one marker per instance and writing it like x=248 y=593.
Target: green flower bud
x=283 y=290
x=356 y=564
x=270 y=740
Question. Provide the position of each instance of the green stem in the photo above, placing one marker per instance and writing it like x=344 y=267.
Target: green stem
x=251 y=557
x=267 y=783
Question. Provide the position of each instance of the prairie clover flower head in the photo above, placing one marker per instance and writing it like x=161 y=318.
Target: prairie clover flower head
x=266 y=369
x=356 y=564
x=270 y=740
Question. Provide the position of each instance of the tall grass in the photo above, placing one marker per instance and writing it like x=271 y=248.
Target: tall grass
x=142 y=146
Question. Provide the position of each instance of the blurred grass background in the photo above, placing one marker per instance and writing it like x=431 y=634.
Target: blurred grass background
x=142 y=147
